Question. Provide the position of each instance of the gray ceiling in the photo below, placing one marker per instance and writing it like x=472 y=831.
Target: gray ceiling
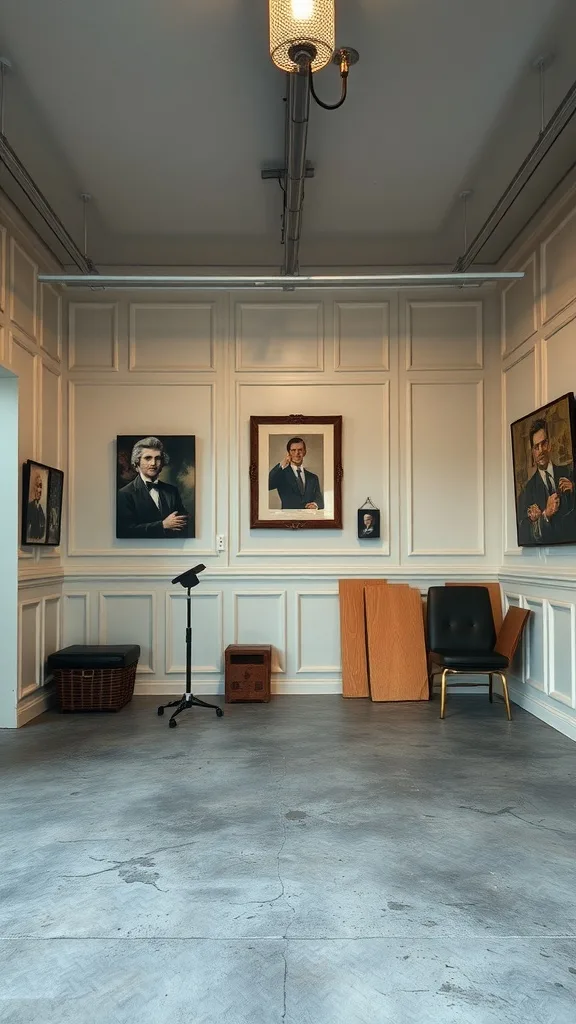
x=166 y=113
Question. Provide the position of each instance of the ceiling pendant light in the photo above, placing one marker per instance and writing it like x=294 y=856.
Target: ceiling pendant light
x=297 y=25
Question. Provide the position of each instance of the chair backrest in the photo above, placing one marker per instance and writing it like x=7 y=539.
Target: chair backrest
x=460 y=619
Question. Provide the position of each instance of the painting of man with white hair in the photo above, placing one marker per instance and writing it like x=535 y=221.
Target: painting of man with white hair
x=156 y=486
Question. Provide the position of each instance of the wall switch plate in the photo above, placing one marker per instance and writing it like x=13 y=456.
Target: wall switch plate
x=221 y=542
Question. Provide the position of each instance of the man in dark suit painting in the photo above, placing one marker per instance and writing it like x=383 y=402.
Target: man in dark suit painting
x=546 y=511
x=36 y=517
x=297 y=487
x=147 y=507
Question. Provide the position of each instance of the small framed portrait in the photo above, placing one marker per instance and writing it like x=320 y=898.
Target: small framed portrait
x=543 y=450
x=155 y=486
x=369 y=523
x=296 y=472
x=42 y=490
x=54 y=509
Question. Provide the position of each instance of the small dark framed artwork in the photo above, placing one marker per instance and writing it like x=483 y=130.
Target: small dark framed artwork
x=42 y=493
x=369 y=523
x=543 y=458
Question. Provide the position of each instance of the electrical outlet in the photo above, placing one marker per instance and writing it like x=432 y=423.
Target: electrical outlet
x=221 y=542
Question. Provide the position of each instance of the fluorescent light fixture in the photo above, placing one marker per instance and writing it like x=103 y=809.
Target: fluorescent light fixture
x=277 y=282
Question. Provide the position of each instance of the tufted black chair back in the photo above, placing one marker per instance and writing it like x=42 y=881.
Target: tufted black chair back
x=460 y=619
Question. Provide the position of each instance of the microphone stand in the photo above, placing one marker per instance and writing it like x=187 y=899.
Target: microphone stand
x=188 y=580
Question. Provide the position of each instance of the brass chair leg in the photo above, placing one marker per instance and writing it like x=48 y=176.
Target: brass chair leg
x=506 y=696
x=443 y=695
x=490 y=688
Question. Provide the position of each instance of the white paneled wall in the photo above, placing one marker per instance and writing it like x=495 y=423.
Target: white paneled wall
x=31 y=349
x=538 y=365
x=412 y=377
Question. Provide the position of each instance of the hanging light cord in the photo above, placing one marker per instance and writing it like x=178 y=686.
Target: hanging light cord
x=331 y=106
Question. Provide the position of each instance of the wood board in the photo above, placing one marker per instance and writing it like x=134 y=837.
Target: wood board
x=355 y=680
x=396 y=644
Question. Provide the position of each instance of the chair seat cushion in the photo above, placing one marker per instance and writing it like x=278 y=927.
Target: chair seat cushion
x=470 y=661
x=95 y=656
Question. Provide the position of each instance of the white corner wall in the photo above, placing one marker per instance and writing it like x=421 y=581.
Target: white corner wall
x=416 y=378
x=538 y=365
x=31 y=350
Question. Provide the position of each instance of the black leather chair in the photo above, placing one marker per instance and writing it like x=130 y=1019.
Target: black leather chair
x=461 y=638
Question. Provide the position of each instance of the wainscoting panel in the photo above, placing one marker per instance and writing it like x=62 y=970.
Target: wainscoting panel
x=318 y=631
x=260 y=618
x=536 y=673
x=559 y=358
x=437 y=525
x=558 y=267
x=362 y=336
x=279 y=336
x=51 y=385
x=444 y=336
x=31 y=642
x=51 y=322
x=93 y=336
x=207 y=632
x=128 y=617
x=23 y=290
x=562 y=652
x=51 y=611
x=519 y=309
x=76 y=619
x=171 y=336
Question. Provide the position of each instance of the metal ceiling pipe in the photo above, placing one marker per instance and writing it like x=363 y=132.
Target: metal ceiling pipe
x=297 y=113
x=548 y=136
x=22 y=178
x=281 y=282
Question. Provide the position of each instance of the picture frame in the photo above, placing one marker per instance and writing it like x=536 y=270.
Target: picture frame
x=155 y=485
x=544 y=471
x=42 y=499
x=296 y=472
x=368 y=523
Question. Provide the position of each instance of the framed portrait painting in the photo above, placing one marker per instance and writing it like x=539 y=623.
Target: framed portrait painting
x=368 y=523
x=42 y=493
x=296 y=472
x=543 y=452
x=155 y=486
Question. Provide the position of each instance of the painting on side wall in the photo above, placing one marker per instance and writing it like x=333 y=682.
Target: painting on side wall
x=296 y=472
x=543 y=453
x=155 y=486
x=42 y=491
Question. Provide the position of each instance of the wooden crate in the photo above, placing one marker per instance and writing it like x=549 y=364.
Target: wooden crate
x=248 y=669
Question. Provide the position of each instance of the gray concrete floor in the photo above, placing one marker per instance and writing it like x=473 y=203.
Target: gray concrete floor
x=310 y=861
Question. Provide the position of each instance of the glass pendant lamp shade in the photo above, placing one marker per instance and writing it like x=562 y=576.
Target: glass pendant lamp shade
x=301 y=22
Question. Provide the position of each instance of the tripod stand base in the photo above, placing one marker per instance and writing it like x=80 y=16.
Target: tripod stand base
x=187 y=701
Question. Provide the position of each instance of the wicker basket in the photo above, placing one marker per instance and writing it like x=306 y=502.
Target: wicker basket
x=94 y=689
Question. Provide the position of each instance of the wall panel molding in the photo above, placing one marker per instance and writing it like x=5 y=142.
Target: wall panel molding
x=138 y=627
x=519 y=309
x=260 y=618
x=30 y=643
x=168 y=340
x=23 y=290
x=93 y=336
x=561 y=646
x=51 y=322
x=282 y=336
x=76 y=618
x=174 y=662
x=536 y=660
x=558 y=268
x=454 y=346
x=314 y=633
x=361 y=336
x=3 y=268
x=477 y=388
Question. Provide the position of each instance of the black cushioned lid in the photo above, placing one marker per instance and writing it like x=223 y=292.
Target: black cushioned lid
x=95 y=656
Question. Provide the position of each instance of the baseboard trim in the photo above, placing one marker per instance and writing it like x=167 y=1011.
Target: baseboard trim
x=214 y=688
x=554 y=717
x=34 y=705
